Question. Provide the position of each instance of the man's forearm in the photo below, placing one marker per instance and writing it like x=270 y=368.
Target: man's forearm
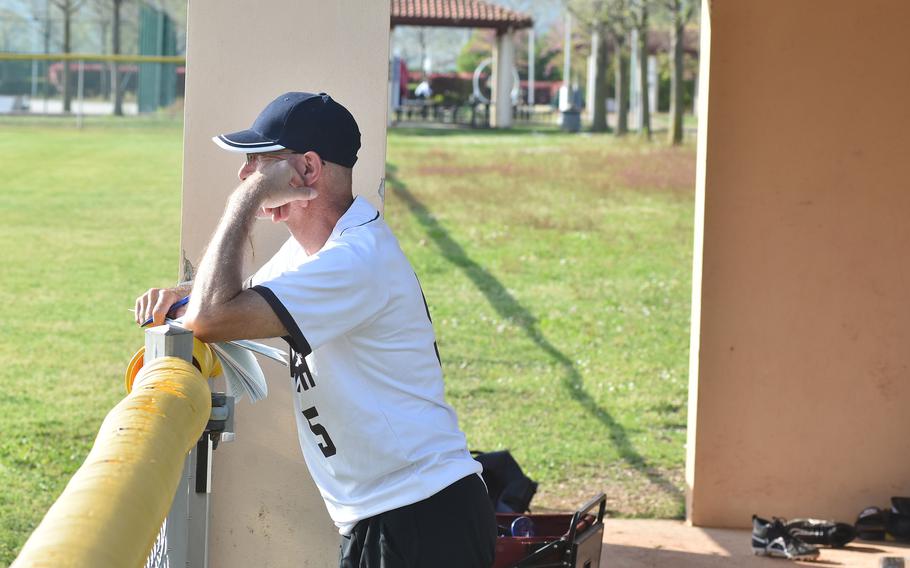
x=219 y=278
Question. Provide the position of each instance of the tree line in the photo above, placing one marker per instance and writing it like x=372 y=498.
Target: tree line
x=614 y=20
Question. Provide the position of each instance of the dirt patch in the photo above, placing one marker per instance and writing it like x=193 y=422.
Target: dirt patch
x=659 y=169
x=440 y=155
x=508 y=169
x=663 y=170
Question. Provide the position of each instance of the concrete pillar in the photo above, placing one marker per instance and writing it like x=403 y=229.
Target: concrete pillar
x=503 y=63
x=800 y=372
x=266 y=510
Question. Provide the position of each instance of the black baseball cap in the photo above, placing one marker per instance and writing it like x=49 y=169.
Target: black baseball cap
x=301 y=122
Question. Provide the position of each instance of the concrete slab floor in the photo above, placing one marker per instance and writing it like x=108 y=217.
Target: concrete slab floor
x=671 y=544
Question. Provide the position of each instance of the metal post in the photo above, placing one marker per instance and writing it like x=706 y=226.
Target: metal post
x=80 y=92
x=184 y=535
x=168 y=341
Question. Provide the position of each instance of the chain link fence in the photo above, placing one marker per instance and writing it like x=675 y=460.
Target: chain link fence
x=88 y=84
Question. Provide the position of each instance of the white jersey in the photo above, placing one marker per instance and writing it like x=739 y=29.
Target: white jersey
x=373 y=425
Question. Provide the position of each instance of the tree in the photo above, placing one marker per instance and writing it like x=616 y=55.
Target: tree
x=601 y=58
x=68 y=8
x=620 y=26
x=621 y=59
x=608 y=19
x=595 y=16
x=115 y=49
x=100 y=15
x=639 y=13
x=680 y=11
x=478 y=48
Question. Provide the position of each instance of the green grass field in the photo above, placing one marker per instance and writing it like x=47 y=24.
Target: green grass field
x=557 y=269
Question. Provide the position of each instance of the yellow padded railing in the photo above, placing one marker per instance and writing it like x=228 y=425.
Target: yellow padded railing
x=112 y=509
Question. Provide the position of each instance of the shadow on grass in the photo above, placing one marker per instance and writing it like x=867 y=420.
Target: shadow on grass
x=508 y=307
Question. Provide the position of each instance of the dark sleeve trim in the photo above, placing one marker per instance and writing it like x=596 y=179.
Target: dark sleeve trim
x=295 y=339
x=364 y=223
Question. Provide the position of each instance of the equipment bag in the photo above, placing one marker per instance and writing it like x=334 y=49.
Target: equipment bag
x=510 y=489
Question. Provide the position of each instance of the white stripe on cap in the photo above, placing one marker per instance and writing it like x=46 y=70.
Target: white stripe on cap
x=249 y=148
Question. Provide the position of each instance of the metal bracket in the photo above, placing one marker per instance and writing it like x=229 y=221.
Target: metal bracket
x=221 y=421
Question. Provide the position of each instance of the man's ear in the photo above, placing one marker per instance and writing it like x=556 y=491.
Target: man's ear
x=311 y=171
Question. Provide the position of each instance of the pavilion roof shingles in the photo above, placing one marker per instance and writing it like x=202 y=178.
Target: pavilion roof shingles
x=457 y=13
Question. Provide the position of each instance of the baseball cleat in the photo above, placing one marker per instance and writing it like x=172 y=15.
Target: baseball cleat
x=771 y=538
x=823 y=533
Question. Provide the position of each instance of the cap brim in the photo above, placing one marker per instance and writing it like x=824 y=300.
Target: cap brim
x=247 y=141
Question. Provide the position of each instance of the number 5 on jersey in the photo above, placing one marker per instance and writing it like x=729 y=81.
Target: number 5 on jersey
x=328 y=448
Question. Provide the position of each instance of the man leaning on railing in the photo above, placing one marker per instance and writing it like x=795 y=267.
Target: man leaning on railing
x=380 y=441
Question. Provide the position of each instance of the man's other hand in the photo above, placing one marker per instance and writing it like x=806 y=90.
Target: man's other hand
x=277 y=184
x=156 y=303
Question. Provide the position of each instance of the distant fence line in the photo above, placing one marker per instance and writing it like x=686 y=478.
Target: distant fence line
x=175 y=59
x=33 y=83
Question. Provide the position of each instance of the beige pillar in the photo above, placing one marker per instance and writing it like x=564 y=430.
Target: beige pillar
x=800 y=382
x=265 y=509
x=503 y=63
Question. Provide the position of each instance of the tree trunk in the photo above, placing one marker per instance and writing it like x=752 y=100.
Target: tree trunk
x=622 y=85
x=104 y=86
x=675 y=134
x=601 y=64
x=643 y=74
x=115 y=69
x=67 y=87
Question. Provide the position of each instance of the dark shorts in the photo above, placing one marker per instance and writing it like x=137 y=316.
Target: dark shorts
x=455 y=528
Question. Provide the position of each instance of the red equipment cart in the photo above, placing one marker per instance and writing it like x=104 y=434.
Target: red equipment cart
x=558 y=541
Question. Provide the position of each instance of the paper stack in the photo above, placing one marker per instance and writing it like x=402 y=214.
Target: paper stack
x=241 y=369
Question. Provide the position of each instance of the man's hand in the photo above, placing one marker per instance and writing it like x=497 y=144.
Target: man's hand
x=156 y=303
x=275 y=186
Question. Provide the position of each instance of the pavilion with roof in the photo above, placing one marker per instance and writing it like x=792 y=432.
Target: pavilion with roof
x=473 y=14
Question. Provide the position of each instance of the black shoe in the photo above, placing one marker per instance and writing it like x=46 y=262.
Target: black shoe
x=870 y=525
x=898 y=522
x=824 y=533
x=771 y=538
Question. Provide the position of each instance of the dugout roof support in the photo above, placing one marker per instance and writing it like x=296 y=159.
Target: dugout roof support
x=800 y=372
x=473 y=14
